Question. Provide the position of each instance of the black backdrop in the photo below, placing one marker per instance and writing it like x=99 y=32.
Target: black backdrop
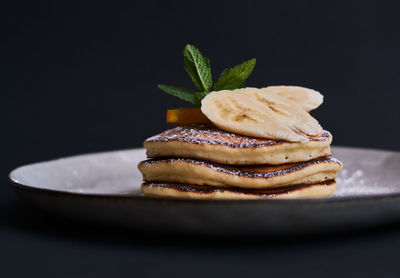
x=82 y=78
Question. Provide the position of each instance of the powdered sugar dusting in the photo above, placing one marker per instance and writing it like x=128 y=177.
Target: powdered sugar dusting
x=353 y=183
x=208 y=134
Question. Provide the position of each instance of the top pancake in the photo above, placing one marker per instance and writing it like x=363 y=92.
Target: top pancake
x=207 y=142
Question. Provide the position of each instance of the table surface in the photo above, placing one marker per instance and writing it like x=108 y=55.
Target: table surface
x=33 y=241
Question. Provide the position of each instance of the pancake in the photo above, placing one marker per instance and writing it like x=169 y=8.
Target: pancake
x=206 y=142
x=176 y=190
x=197 y=172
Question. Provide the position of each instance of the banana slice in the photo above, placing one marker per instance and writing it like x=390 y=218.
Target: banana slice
x=309 y=99
x=262 y=113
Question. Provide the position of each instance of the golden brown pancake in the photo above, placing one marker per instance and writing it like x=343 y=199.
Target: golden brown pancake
x=206 y=142
x=176 y=190
x=197 y=172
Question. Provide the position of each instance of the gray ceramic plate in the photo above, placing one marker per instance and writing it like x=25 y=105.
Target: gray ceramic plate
x=104 y=187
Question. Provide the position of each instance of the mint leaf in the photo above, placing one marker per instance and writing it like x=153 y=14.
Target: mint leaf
x=234 y=78
x=198 y=67
x=182 y=93
x=222 y=74
x=197 y=97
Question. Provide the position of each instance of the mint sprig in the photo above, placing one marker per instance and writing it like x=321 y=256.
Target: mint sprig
x=234 y=78
x=182 y=93
x=199 y=69
x=197 y=97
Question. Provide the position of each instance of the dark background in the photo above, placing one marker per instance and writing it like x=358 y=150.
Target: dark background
x=78 y=78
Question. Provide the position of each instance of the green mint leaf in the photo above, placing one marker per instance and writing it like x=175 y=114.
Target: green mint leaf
x=222 y=74
x=198 y=68
x=182 y=93
x=235 y=77
x=197 y=97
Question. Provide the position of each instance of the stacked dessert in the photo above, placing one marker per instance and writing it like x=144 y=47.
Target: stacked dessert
x=258 y=143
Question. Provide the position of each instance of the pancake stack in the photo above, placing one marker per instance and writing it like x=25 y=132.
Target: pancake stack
x=203 y=161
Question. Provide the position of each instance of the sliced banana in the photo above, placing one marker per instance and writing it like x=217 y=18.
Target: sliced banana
x=309 y=99
x=262 y=113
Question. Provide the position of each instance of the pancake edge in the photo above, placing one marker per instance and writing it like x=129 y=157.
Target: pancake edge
x=175 y=190
x=213 y=174
x=274 y=155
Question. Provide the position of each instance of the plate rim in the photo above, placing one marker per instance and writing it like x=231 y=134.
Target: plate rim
x=16 y=185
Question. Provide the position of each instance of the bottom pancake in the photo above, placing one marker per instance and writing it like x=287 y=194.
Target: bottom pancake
x=178 y=190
